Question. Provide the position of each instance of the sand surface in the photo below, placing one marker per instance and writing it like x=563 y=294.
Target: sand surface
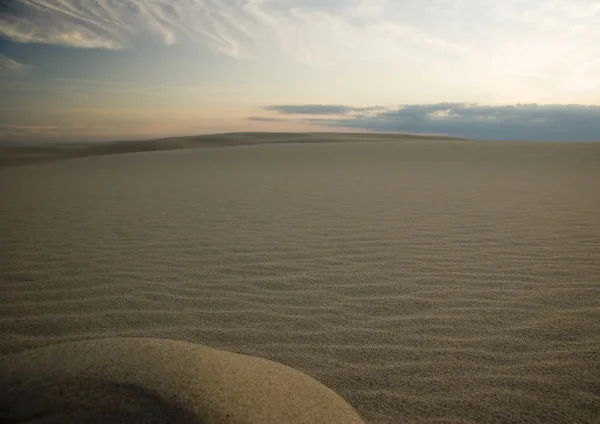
x=421 y=280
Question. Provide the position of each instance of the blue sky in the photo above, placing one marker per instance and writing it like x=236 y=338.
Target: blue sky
x=79 y=70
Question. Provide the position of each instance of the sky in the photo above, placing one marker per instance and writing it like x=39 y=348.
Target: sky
x=92 y=70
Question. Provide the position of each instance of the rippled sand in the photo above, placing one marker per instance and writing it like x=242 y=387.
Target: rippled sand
x=422 y=280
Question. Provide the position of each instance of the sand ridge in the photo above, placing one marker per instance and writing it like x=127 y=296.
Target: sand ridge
x=437 y=281
x=14 y=155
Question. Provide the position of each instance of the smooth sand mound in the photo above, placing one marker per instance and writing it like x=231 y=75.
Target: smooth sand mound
x=151 y=380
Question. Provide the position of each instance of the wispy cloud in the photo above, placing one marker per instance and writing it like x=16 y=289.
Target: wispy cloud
x=128 y=87
x=48 y=129
x=320 y=109
x=71 y=90
x=8 y=65
x=310 y=109
x=264 y=119
x=527 y=122
x=507 y=51
x=315 y=33
x=81 y=125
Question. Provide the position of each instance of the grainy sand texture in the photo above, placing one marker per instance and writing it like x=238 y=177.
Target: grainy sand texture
x=422 y=280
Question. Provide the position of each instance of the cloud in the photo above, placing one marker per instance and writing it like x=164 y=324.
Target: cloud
x=319 y=33
x=319 y=109
x=550 y=122
x=47 y=129
x=264 y=119
x=310 y=109
x=8 y=65
x=128 y=87
x=505 y=51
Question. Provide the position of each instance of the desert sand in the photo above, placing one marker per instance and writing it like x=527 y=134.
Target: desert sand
x=422 y=280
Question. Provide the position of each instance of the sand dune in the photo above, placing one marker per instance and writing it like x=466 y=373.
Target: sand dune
x=21 y=155
x=421 y=280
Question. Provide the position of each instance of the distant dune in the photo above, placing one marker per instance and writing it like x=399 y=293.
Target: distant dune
x=423 y=281
x=18 y=155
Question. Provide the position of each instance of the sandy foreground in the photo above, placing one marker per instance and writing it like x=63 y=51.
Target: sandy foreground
x=421 y=280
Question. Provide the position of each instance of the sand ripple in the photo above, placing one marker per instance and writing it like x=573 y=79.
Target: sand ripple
x=423 y=281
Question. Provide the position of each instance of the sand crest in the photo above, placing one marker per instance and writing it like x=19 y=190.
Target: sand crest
x=152 y=380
